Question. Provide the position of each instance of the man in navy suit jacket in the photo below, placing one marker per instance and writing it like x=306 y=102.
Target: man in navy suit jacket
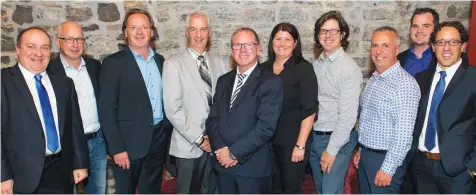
x=243 y=119
x=444 y=140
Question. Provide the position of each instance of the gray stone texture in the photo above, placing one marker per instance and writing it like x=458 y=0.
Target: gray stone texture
x=78 y=14
x=22 y=14
x=108 y=12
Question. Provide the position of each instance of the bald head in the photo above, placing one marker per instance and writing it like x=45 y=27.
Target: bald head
x=70 y=41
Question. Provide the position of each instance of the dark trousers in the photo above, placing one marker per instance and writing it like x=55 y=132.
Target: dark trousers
x=196 y=175
x=146 y=173
x=51 y=181
x=288 y=175
x=233 y=184
x=430 y=178
x=370 y=163
x=408 y=185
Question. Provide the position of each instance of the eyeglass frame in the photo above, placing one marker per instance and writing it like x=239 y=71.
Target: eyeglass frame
x=251 y=45
x=72 y=40
x=452 y=42
x=325 y=31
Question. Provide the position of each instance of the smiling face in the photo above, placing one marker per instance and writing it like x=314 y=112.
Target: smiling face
x=198 y=33
x=34 y=51
x=421 y=29
x=330 y=43
x=384 y=50
x=446 y=54
x=72 y=50
x=245 y=58
x=283 y=44
x=138 y=31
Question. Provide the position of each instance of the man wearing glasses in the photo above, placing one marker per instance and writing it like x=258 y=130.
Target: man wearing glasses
x=243 y=119
x=84 y=71
x=444 y=143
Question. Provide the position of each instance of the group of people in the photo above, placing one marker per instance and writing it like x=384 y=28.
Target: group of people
x=239 y=125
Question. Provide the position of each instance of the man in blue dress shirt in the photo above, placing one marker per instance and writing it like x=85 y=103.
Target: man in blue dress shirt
x=388 y=110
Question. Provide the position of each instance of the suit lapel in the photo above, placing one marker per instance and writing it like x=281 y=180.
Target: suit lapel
x=230 y=81
x=192 y=69
x=250 y=82
x=22 y=87
x=92 y=75
x=135 y=71
x=456 y=79
x=58 y=84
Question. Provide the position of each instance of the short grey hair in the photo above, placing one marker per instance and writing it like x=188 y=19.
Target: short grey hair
x=389 y=29
x=187 y=21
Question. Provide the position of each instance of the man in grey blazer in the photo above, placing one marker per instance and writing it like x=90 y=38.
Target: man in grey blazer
x=189 y=84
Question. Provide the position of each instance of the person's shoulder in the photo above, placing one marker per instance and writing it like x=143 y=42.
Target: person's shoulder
x=177 y=56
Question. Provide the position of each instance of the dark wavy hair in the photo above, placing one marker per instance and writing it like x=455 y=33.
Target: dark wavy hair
x=133 y=11
x=292 y=30
x=424 y=10
x=463 y=33
x=344 y=28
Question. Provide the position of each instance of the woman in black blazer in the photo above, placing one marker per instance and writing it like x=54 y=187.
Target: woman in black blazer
x=299 y=107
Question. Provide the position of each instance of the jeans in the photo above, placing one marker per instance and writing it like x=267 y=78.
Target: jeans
x=95 y=183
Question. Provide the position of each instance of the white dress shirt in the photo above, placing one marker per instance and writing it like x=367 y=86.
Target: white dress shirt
x=45 y=80
x=86 y=97
x=450 y=72
x=246 y=73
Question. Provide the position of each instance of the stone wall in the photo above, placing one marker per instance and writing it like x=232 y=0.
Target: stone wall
x=102 y=20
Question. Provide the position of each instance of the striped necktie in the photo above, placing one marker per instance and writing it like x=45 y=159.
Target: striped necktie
x=238 y=88
x=203 y=70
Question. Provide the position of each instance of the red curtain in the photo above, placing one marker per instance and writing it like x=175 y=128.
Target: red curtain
x=472 y=36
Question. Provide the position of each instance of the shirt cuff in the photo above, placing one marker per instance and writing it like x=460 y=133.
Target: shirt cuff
x=332 y=150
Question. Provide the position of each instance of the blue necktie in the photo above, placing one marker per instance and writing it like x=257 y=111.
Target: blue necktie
x=50 y=127
x=431 y=127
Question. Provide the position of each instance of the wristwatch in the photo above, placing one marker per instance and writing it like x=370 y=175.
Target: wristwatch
x=300 y=147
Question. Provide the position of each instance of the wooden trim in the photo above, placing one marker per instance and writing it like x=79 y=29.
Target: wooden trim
x=472 y=36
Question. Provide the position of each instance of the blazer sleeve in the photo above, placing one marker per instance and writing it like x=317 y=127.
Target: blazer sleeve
x=80 y=147
x=6 y=169
x=173 y=99
x=109 y=83
x=211 y=124
x=471 y=158
x=308 y=90
x=268 y=112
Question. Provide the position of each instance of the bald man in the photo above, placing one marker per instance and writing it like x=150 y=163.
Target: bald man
x=84 y=72
x=43 y=149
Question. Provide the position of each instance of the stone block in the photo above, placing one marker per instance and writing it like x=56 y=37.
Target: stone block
x=22 y=14
x=108 y=12
x=49 y=12
x=91 y=27
x=292 y=14
x=378 y=14
x=258 y=15
x=8 y=43
x=7 y=27
x=78 y=14
x=4 y=16
x=5 y=60
x=222 y=14
x=163 y=15
x=100 y=43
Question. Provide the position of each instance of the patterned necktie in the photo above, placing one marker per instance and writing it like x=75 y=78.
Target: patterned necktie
x=432 y=124
x=203 y=70
x=238 y=88
x=50 y=127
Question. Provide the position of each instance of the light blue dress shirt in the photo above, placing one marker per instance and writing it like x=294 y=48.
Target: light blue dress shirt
x=153 y=82
x=388 y=110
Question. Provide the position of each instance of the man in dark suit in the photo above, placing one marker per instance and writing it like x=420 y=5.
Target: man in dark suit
x=84 y=72
x=243 y=119
x=43 y=147
x=131 y=108
x=444 y=140
x=418 y=57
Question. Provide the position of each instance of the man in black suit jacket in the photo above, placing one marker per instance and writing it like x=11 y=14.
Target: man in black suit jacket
x=84 y=72
x=444 y=140
x=131 y=109
x=43 y=148
x=243 y=119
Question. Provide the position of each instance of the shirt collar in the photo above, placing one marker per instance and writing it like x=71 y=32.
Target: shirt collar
x=451 y=70
x=29 y=75
x=388 y=72
x=426 y=53
x=338 y=53
x=66 y=65
x=196 y=54
x=138 y=56
x=248 y=72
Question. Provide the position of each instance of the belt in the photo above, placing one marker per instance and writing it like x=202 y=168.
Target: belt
x=432 y=156
x=53 y=156
x=91 y=135
x=373 y=150
x=323 y=132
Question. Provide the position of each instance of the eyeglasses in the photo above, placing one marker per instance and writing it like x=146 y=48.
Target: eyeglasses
x=71 y=40
x=248 y=46
x=331 y=31
x=451 y=42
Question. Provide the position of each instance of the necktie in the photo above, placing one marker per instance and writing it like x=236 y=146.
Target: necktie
x=238 y=88
x=50 y=127
x=203 y=70
x=432 y=124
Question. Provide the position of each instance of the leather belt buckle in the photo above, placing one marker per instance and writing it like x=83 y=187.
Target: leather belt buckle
x=91 y=135
x=432 y=156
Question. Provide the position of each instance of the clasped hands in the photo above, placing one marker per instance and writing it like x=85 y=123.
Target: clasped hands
x=224 y=157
